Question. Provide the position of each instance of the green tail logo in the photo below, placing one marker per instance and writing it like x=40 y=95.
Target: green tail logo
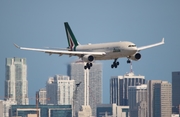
x=72 y=42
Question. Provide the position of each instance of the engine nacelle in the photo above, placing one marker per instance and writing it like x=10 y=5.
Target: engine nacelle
x=136 y=57
x=87 y=58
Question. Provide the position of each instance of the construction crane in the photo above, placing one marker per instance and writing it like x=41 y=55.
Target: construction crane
x=74 y=97
x=37 y=102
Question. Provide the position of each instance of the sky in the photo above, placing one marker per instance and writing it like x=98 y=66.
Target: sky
x=41 y=24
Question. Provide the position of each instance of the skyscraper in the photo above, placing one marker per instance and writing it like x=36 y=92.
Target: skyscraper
x=119 y=87
x=60 y=90
x=90 y=89
x=150 y=95
x=138 y=101
x=41 y=96
x=175 y=89
x=162 y=106
x=16 y=84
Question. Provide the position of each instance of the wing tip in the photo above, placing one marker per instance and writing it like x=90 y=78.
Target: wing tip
x=16 y=46
x=162 y=40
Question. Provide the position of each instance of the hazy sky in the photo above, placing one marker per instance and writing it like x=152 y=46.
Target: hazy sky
x=41 y=24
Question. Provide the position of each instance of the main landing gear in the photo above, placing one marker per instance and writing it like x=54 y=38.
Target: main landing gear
x=115 y=64
x=88 y=65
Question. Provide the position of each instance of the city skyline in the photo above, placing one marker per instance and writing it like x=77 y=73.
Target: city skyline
x=161 y=89
x=37 y=24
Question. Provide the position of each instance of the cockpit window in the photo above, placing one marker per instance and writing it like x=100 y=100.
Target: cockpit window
x=132 y=46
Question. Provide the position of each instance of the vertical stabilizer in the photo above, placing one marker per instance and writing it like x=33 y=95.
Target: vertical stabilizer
x=72 y=42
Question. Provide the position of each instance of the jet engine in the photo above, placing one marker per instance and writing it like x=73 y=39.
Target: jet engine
x=136 y=57
x=87 y=58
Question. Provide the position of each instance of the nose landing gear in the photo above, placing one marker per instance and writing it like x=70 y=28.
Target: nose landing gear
x=128 y=61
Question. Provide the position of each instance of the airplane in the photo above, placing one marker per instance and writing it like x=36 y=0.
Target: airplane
x=102 y=51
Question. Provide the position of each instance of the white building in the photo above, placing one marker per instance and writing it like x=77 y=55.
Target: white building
x=112 y=110
x=60 y=90
x=119 y=87
x=90 y=90
x=174 y=115
x=16 y=84
x=41 y=96
x=85 y=111
x=138 y=101
x=5 y=106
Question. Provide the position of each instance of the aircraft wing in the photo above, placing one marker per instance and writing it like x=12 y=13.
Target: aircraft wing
x=56 y=48
x=150 y=46
x=62 y=52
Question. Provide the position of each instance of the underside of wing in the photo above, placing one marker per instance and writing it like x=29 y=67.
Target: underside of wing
x=62 y=52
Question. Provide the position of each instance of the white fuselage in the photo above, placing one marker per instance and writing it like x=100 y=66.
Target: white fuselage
x=113 y=50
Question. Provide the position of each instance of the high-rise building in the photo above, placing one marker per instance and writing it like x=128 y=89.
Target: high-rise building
x=41 y=96
x=59 y=90
x=16 y=84
x=90 y=90
x=150 y=96
x=5 y=106
x=175 y=91
x=138 y=101
x=162 y=106
x=119 y=87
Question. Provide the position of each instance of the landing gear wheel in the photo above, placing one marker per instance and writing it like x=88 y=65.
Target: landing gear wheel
x=88 y=66
x=117 y=63
x=128 y=61
x=112 y=66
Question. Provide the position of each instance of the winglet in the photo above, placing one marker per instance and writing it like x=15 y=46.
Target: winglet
x=162 y=40
x=16 y=46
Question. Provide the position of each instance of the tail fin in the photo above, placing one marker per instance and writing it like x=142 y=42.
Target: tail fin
x=72 y=42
